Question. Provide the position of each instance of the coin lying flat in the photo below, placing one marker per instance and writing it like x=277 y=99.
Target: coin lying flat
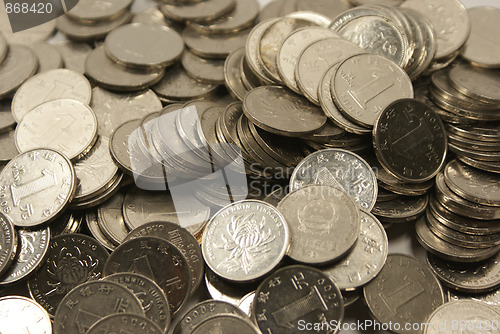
x=451 y=22
x=478 y=84
x=403 y=283
x=468 y=311
x=243 y=15
x=216 y=46
x=144 y=45
x=110 y=75
x=280 y=111
x=489 y=298
x=481 y=48
x=33 y=246
x=158 y=260
x=402 y=209
x=198 y=11
x=49 y=57
x=226 y=323
x=371 y=247
x=47 y=86
x=73 y=54
x=17 y=67
x=125 y=322
x=49 y=125
x=281 y=298
x=314 y=214
x=364 y=85
x=206 y=70
x=338 y=168
x=95 y=301
x=18 y=314
x=37 y=186
x=153 y=300
x=181 y=238
x=72 y=259
x=474 y=278
x=225 y=242
x=91 y=11
x=8 y=244
x=414 y=150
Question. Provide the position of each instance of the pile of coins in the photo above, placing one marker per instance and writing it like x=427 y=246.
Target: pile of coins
x=209 y=166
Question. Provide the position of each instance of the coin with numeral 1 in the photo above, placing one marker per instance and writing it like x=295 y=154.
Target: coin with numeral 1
x=297 y=295
x=36 y=187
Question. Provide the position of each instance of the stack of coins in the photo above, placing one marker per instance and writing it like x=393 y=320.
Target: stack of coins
x=120 y=199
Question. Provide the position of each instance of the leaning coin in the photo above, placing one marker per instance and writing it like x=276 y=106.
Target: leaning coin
x=125 y=322
x=92 y=221
x=158 y=260
x=47 y=86
x=203 y=311
x=8 y=144
x=180 y=237
x=338 y=168
x=279 y=110
x=33 y=246
x=246 y=302
x=19 y=314
x=89 y=302
x=324 y=223
x=371 y=247
x=351 y=94
x=471 y=314
x=36 y=187
x=226 y=323
x=404 y=291
x=144 y=46
x=280 y=299
x=227 y=246
x=68 y=126
x=402 y=209
x=111 y=219
x=473 y=184
x=19 y=65
x=108 y=74
x=8 y=244
x=410 y=141
x=153 y=300
x=72 y=259
x=474 y=278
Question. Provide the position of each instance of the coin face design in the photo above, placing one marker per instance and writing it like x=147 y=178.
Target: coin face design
x=36 y=186
x=410 y=141
x=18 y=314
x=8 y=243
x=125 y=322
x=245 y=240
x=314 y=213
x=338 y=168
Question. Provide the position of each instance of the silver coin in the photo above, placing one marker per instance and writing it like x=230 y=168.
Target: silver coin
x=198 y=11
x=125 y=322
x=7 y=121
x=490 y=298
x=338 y=168
x=451 y=22
x=326 y=7
x=324 y=223
x=91 y=11
x=140 y=207
x=4 y=47
x=144 y=45
x=478 y=84
x=95 y=172
x=223 y=291
x=68 y=126
x=109 y=75
x=111 y=219
x=365 y=260
x=216 y=46
x=74 y=54
x=33 y=246
x=8 y=144
x=474 y=278
x=278 y=110
x=463 y=315
x=49 y=57
x=365 y=85
x=19 y=65
x=92 y=221
x=226 y=323
x=402 y=209
x=232 y=74
x=113 y=109
x=20 y=314
x=245 y=303
x=473 y=184
x=291 y=48
x=47 y=86
x=205 y=70
x=36 y=187
x=245 y=240
x=8 y=244
x=317 y=59
x=405 y=291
